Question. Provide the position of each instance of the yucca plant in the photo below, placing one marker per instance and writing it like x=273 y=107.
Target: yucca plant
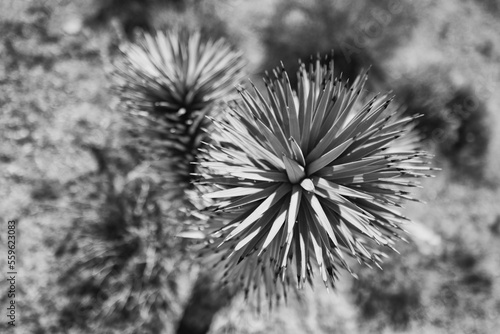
x=302 y=179
x=168 y=82
x=122 y=267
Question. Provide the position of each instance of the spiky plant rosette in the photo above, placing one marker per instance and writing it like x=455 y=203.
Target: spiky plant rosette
x=123 y=263
x=169 y=81
x=301 y=179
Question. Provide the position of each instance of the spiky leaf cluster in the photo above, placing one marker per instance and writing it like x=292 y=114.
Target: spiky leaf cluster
x=302 y=179
x=122 y=267
x=169 y=81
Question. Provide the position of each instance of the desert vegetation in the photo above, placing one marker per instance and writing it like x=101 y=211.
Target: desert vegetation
x=103 y=171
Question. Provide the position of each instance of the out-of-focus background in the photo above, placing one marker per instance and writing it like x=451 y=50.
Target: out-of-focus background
x=65 y=170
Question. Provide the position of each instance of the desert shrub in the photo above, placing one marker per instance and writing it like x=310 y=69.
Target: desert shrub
x=470 y=148
x=45 y=190
x=121 y=266
x=130 y=14
x=361 y=34
x=454 y=119
x=490 y=6
x=150 y=15
x=426 y=93
x=391 y=297
x=465 y=290
x=168 y=82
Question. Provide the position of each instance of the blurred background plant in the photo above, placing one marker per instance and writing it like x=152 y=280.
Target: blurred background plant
x=361 y=34
x=56 y=129
x=122 y=266
x=169 y=82
x=455 y=119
